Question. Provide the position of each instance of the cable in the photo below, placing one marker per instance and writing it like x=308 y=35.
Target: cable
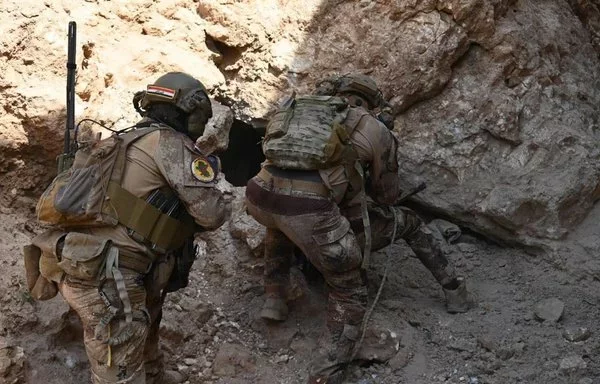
x=100 y=124
x=368 y=314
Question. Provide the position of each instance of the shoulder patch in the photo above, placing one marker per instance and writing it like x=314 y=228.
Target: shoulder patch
x=203 y=170
x=199 y=170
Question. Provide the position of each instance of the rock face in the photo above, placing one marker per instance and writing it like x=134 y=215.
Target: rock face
x=510 y=145
x=121 y=48
x=495 y=100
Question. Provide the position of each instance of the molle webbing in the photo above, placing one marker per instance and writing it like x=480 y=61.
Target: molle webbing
x=148 y=222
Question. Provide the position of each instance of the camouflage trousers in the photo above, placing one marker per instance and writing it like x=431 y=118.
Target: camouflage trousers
x=137 y=359
x=315 y=225
x=332 y=241
x=408 y=227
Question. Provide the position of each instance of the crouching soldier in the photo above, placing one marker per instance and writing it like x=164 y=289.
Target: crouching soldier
x=311 y=192
x=124 y=216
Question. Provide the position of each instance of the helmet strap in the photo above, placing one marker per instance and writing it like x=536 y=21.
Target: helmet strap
x=137 y=98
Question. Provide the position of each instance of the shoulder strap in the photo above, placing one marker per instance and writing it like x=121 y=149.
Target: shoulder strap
x=126 y=140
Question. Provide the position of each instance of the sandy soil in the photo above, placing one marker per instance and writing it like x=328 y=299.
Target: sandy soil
x=212 y=332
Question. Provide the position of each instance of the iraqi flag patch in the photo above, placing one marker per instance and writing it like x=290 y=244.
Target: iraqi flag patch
x=167 y=93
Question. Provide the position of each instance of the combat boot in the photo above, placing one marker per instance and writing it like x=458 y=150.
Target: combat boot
x=459 y=300
x=275 y=307
x=329 y=368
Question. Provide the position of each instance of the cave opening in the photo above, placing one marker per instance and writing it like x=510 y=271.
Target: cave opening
x=241 y=161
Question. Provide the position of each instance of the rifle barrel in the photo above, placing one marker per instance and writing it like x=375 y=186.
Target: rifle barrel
x=71 y=69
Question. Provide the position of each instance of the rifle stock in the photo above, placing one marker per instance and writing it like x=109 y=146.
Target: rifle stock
x=65 y=160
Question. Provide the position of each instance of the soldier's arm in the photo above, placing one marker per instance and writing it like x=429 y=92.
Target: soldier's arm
x=197 y=182
x=384 y=185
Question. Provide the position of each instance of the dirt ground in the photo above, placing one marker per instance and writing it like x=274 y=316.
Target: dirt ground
x=212 y=332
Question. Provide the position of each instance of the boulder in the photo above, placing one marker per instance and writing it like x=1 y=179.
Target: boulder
x=216 y=135
x=572 y=364
x=576 y=334
x=244 y=227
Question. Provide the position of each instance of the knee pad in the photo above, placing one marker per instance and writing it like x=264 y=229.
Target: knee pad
x=408 y=222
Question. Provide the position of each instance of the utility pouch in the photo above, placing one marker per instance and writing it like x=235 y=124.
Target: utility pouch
x=84 y=256
x=39 y=287
x=31 y=259
x=49 y=244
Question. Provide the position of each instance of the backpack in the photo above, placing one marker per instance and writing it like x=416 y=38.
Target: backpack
x=81 y=196
x=309 y=134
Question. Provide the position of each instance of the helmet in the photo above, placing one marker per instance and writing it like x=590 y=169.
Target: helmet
x=182 y=91
x=362 y=85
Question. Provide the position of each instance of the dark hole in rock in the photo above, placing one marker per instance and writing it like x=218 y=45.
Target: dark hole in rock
x=226 y=55
x=241 y=161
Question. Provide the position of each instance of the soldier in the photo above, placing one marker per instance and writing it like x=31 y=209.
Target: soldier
x=114 y=261
x=311 y=193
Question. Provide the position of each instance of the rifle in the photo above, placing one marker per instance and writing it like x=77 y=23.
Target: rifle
x=65 y=160
x=412 y=192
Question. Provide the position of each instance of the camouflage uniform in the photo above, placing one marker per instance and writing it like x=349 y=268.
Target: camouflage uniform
x=121 y=316
x=320 y=212
x=161 y=159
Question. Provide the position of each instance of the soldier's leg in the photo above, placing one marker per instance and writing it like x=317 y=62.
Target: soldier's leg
x=381 y=220
x=408 y=227
x=155 y=282
x=429 y=251
x=123 y=361
x=277 y=260
x=421 y=240
x=334 y=251
x=278 y=253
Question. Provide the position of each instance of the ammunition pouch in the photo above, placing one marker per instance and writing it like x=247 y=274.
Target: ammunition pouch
x=160 y=221
x=39 y=287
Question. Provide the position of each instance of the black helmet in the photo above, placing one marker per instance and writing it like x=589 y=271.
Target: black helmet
x=184 y=92
x=362 y=85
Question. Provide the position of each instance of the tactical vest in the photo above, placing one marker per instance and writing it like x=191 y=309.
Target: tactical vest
x=310 y=134
x=89 y=194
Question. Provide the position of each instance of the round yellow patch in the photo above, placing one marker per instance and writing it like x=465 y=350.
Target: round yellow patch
x=202 y=170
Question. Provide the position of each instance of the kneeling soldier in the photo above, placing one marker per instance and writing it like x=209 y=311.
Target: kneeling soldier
x=311 y=192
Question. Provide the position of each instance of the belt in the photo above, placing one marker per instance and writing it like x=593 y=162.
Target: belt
x=317 y=188
x=312 y=176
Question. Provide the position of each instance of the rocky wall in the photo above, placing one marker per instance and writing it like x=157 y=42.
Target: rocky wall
x=495 y=100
